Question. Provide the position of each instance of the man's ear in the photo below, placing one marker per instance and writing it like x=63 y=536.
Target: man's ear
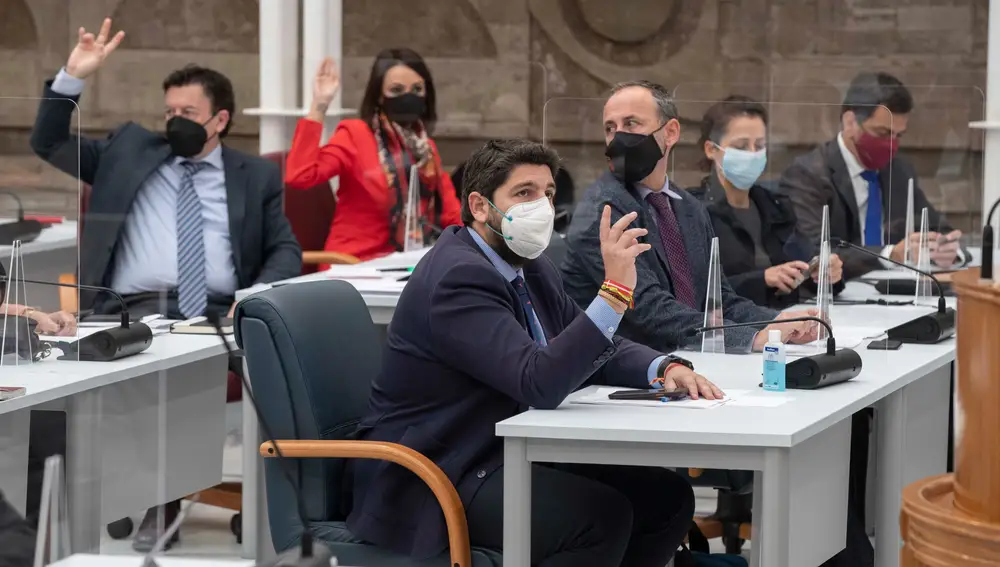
x=478 y=206
x=849 y=121
x=672 y=132
x=222 y=120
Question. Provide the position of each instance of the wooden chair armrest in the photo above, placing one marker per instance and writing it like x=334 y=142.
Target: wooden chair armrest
x=435 y=479
x=312 y=257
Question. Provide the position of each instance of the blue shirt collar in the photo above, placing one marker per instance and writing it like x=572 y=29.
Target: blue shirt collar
x=666 y=190
x=213 y=158
x=505 y=269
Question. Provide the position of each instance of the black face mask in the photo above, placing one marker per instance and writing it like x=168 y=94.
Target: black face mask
x=186 y=137
x=406 y=108
x=632 y=157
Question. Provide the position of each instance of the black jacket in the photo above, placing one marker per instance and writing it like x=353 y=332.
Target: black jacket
x=17 y=539
x=780 y=239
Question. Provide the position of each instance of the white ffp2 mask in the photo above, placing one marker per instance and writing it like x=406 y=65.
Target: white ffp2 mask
x=527 y=227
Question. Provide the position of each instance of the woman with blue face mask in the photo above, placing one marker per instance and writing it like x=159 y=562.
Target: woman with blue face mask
x=763 y=256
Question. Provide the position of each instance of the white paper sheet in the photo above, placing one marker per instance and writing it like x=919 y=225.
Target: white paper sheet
x=846 y=337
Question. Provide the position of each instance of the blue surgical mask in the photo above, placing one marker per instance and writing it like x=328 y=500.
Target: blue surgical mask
x=742 y=167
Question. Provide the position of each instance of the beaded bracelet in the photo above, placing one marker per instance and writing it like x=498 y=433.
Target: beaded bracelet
x=618 y=292
x=616 y=304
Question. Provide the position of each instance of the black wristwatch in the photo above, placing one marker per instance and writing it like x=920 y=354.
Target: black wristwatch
x=671 y=359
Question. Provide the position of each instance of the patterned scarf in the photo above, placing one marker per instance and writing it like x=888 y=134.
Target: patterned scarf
x=400 y=148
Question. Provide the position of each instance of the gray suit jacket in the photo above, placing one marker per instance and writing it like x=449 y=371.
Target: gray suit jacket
x=658 y=320
x=264 y=247
x=820 y=177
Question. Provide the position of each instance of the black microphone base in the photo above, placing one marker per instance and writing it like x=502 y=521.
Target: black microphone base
x=23 y=230
x=111 y=344
x=822 y=370
x=926 y=329
x=321 y=557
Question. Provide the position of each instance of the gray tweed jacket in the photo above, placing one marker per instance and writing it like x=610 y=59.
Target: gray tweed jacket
x=658 y=319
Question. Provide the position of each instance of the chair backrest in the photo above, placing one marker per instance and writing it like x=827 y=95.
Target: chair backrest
x=312 y=352
x=310 y=212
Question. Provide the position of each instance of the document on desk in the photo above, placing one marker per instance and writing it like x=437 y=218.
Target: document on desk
x=847 y=337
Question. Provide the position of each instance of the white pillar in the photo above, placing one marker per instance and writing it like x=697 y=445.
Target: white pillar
x=279 y=46
x=322 y=36
x=991 y=147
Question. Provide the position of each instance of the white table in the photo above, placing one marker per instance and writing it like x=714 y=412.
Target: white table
x=381 y=303
x=141 y=431
x=799 y=450
x=54 y=252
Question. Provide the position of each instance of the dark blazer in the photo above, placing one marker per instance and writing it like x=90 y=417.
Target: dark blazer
x=779 y=237
x=264 y=248
x=459 y=359
x=658 y=319
x=17 y=538
x=820 y=177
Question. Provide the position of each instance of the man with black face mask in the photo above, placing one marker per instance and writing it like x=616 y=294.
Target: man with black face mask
x=175 y=222
x=640 y=126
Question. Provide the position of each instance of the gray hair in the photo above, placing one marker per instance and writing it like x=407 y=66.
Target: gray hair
x=664 y=102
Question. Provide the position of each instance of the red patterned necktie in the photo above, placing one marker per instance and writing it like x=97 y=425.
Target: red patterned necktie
x=673 y=244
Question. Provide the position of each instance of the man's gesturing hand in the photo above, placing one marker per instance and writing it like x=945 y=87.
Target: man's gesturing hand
x=90 y=51
x=620 y=246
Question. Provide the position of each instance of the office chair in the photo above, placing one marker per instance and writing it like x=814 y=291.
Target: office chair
x=310 y=212
x=312 y=352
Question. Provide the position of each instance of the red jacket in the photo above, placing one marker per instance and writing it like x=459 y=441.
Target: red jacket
x=361 y=220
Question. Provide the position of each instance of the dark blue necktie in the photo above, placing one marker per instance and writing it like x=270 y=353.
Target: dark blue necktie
x=873 y=216
x=534 y=329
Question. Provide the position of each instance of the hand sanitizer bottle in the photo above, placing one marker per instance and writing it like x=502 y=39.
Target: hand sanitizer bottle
x=774 y=362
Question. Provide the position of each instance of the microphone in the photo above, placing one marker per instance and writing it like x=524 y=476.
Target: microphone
x=310 y=553
x=107 y=344
x=926 y=329
x=21 y=229
x=986 y=270
x=809 y=372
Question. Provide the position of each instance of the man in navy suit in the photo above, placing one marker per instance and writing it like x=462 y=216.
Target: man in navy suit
x=482 y=332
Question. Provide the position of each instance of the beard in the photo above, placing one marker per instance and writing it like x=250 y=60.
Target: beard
x=497 y=243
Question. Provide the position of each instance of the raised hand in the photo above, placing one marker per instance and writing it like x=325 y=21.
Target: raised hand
x=620 y=246
x=327 y=83
x=90 y=51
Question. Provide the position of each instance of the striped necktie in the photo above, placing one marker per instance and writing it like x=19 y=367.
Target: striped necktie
x=192 y=287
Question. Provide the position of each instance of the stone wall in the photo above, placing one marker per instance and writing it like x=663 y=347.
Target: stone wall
x=540 y=67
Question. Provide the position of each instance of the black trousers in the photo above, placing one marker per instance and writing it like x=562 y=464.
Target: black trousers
x=592 y=515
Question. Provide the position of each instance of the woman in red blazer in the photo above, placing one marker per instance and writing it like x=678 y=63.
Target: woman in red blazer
x=373 y=155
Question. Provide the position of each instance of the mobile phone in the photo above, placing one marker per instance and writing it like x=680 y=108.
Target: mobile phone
x=9 y=392
x=673 y=394
x=885 y=344
x=813 y=266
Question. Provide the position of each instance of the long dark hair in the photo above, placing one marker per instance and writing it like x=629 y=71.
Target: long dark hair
x=387 y=59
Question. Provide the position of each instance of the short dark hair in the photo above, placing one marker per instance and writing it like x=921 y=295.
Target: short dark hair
x=664 y=101
x=387 y=59
x=490 y=167
x=217 y=87
x=870 y=90
x=717 y=119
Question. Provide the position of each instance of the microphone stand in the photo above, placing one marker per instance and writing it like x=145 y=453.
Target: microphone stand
x=107 y=344
x=926 y=329
x=986 y=269
x=25 y=230
x=809 y=372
